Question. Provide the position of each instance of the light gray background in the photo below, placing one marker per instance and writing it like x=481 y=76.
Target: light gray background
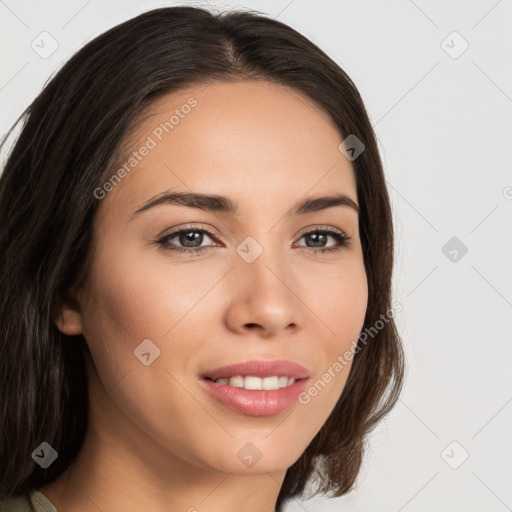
x=444 y=126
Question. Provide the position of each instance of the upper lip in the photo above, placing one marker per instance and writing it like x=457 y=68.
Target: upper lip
x=259 y=368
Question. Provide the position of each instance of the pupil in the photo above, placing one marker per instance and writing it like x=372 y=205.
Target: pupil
x=186 y=238
x=316 y=235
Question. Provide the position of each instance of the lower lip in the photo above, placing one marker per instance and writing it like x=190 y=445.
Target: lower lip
x=255 y=402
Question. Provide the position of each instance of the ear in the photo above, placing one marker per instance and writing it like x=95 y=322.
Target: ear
x=69 y=317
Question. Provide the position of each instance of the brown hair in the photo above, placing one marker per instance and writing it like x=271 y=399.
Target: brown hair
x=70 y=139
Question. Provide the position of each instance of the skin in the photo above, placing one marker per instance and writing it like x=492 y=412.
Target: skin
x=156 y=440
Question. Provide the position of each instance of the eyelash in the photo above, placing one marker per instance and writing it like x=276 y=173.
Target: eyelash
x=342 y=239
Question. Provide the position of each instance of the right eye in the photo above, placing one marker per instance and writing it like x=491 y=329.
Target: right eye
x=185 y=236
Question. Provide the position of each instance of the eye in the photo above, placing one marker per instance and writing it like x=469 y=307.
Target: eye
x=319 y=236
x=191 y=239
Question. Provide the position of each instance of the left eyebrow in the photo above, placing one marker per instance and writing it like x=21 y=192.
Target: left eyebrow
x=223 y=204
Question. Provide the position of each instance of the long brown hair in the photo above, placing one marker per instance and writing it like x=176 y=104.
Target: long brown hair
x=70 y=139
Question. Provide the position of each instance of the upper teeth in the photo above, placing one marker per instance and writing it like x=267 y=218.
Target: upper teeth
x=251 y=382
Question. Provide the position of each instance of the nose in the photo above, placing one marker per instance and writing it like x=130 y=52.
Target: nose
x=265 y=297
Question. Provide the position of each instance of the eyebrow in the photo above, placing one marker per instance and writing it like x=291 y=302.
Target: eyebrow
x=223 y=204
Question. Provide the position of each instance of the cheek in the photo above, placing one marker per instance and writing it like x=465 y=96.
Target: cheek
x=345 y=309
x=133 y=299
x=123 y=308
x=342 y=309
x=129 y=302
x=340 y=301
x=131 y=293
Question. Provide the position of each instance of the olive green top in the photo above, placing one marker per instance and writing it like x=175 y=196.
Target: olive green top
x=39 y=502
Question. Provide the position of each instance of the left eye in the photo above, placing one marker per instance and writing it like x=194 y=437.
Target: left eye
x=318 y=236
x=192 y=238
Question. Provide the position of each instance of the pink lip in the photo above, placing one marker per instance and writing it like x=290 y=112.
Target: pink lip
x=259 y=368
x=255 y=402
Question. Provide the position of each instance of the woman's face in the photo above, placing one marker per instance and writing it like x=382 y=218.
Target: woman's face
x=157 y=319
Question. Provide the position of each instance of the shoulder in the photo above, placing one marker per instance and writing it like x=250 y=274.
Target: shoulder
x=15 y=504
x=32 y=502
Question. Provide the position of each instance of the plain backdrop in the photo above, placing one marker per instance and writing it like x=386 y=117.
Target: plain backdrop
x=436 y=78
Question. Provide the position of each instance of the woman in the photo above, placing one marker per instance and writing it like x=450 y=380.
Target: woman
x=196 y=259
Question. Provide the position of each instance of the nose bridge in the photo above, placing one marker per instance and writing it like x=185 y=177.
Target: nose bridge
x=262 y=285
x=262 y=258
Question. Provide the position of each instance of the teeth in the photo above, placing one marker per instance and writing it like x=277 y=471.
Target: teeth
x=283 y=381
x=237 y=382
x=251 y=382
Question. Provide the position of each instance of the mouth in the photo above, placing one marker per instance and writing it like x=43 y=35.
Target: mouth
x=258 y=387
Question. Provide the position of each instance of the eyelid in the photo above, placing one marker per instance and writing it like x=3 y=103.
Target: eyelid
x=320 y=227
x=177 y=229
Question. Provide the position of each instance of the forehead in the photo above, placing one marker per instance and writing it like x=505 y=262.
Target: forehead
x=249 y=140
